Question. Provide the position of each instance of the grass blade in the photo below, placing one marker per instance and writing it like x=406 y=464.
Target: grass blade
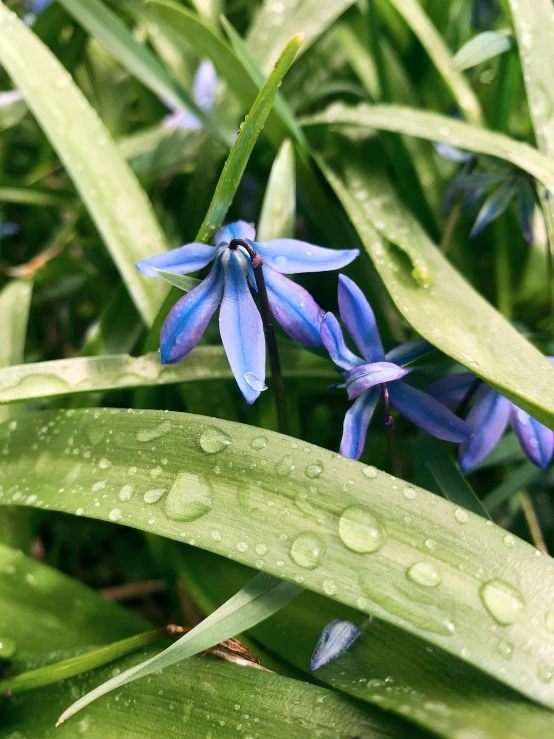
x=483 y=47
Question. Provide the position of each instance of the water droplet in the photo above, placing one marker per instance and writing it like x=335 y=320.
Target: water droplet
x=242 y=546
x=115 y=514
x=314 y=470
x=261 y=549
x=154 y=433
x=7 y=648
x=461 y=515
x=502 y=601
x=505 y=649
x=213 y=440
x=430 y=544
x=189 y=498
x=545 y=672
x=360 y=530
x=260 y=442
x=370 y=472
x=104 y=463
x=216 y=535
x=509 y=540
x=126 y=493
x=153 y=496
x=424 y=573
x=330 y=586
x=549 y=620
x=307 y=550
x=284 y=466
x=409 y=493
x=280 y=260
x=100 y=485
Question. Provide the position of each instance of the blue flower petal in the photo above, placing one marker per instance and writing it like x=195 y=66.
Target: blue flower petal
x=451 y=390
x=525 y=209
x=537 y=441
x=289 y=256
x=7 y=228
x=427 y=413
x=358 y=317
x=366 y=376
x=181 y=261
x=204 y=86
x=189 y=317
x=294 y=308
x=182 y=118
x=356 y=422
x=241 y=329
x=37 y=6
x=333 y=340
x=452 y=153
x=487 y=419
x=493 y=207
x=236 y=230
x=409 y=351
x=335 y=639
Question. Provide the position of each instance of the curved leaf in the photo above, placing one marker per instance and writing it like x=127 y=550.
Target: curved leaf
x=483 y=47
x=279 y=206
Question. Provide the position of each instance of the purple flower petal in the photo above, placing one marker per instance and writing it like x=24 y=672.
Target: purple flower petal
x=333 y=340
x=409 y=351
x=493 y=207
x=427 y=413
x=182 y=118
x=189 y=317
x=366 y=376
x=358 y=317
x=525 y=209
x=451 y=390
x=537 y=441
x=487 y=419
x=294 y=308
x=241 y=329
x=335 y=639
x=181 y=261
x=452 y=152
x=356 y=422
x=289 y=256
x=236 y=230
x=204 y=86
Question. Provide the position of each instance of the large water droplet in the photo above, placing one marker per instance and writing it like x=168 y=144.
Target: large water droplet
x=361 y=530
x=280 y=260
x=284 y=466
x=370 y=472
x=153 y=496
x=126 y=493
x=260 y=442
x=502 y=601
x=213 y=440
x=424 y=573
x=154 y=433
x=314 y=470
x=115 y=514
x=189 y=498
x=461 y=515
x=307 y=550
x=409 y=493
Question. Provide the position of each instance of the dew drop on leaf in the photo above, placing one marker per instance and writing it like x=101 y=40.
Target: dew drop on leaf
x=361 y=530
x=189 y=498
x=307 y=550
x=150 y=434
x=424 y=573
x=153 y=496
x=409 y=493
x=259 y=442
x=460 y=515
x=370 y=472
x=126 y=493
x=502 y=601
x=505 y=649
x=284 y=466
x=213 y=440
x=7 y=648
x=314 y=470
x=545 y=672
x=115 y=514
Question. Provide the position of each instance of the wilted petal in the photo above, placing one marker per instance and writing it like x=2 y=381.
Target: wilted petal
x=355 y=425
x=427 y=413
x=493 y=207
x=487 y=419
x=204 y=86
x=452 y=153
x=294 y=308
x=236 y=230
x=525 y=209
x=189 y=317
x=358 y=317
x=409 y=351
x=181 y=261
x=335 y=639
x=367 y=376
x=241 y=330
x=333 y=340
x=537 y=441
x=289 y=256
x=451 y=390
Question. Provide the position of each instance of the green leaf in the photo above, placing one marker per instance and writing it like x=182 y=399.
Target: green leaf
x=517 y=481
x=36 y=196
x=300 y=513
x=183 y=282
x=278 y=212
x=112 y=195
x=483 y=47
x=113 y=371
x=260 y=598
x=449 y=313
x=432 y=41
x=436 y=127
x=12 y=113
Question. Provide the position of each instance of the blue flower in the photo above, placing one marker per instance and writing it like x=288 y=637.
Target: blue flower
x=488 y=420
x=335 y=639
x=204 y=95
x=37 y=6
x=231 y=283
x=7 y=228
x=365 y=377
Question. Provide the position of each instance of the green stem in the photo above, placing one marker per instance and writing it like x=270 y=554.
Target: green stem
x=502 y=269
x=548 y=216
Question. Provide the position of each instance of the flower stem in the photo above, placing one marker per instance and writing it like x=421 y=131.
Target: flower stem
x=269 y=331
x=391 y=437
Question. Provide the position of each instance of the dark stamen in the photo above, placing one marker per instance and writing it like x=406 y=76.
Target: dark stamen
x=269 y=331
x=391 y=437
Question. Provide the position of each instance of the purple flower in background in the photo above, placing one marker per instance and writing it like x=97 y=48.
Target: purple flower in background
x=37 y=6
x=231 y=283
x=8 y=97
x=365 y=377
x=7 y=228
x=203 y=94
x=335 y=639
x=488 y=420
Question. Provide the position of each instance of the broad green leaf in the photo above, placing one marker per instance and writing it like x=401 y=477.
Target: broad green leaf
x=303 y=514
x=449 y=313
x=483 y=47
x=258 y=599
x=111 y=371
x=385 y=666
x=279 y=206
x=432 y=41
x=111 y=193
x=436 y=127
x=208 y=698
